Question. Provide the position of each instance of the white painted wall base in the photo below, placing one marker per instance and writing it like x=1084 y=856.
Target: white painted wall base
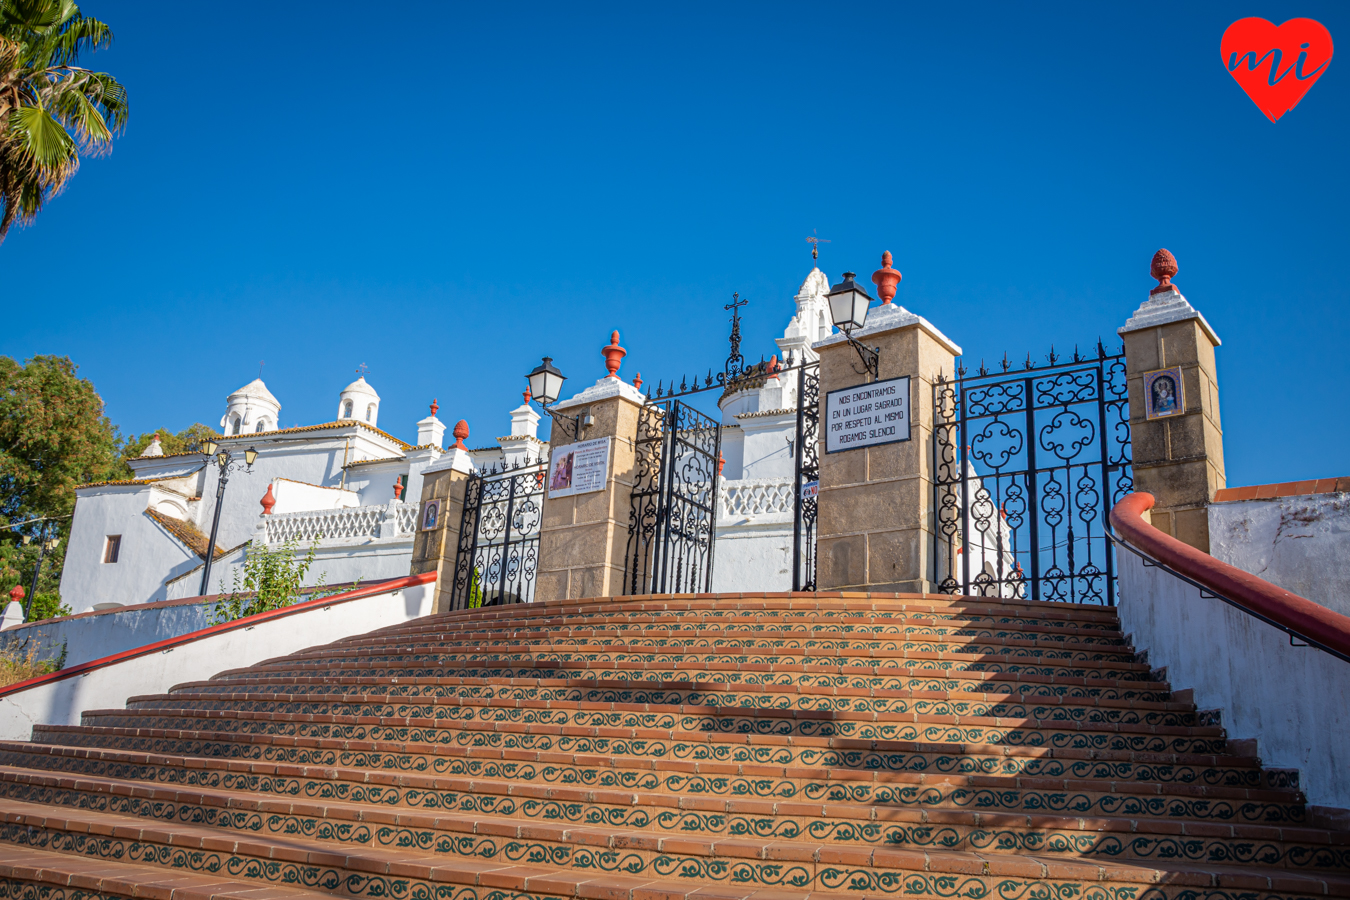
x=1292 y=700
x=60 y=699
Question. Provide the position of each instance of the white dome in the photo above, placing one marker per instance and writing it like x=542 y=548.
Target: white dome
x=251 y=408
x=359 y=401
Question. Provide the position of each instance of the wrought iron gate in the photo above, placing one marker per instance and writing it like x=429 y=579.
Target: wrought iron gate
x=807 y=481
x=672 y=519
x=1027 y=465
x=498 y=553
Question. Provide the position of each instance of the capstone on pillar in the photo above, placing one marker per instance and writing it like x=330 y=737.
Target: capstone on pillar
x=439 y=514
x=1175 y=429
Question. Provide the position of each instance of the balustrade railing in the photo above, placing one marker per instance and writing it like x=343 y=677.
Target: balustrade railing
x=352 y=523
x=754 y=497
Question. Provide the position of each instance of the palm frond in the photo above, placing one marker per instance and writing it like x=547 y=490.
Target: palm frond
x=42 y=136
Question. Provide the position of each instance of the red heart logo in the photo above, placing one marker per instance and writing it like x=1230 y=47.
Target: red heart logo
x=1276 y=65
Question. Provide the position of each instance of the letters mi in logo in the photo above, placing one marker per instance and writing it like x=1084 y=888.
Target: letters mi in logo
x=1276 y=65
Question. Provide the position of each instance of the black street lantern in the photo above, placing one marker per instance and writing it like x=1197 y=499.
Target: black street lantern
x=546 y=382
x=225 y=461
x=848 y=304
x=848 y=310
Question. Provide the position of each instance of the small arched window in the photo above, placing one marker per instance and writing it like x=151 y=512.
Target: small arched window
x=235 y=424
x=262 y=425
x=370 y=412
x=347 y=410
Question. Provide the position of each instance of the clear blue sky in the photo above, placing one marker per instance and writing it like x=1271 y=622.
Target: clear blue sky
x=448 y=194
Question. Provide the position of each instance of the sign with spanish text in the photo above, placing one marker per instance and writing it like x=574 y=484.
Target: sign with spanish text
x=580 y=468
x=867 y=415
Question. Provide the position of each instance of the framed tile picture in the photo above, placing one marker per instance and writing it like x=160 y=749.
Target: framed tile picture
x=1164 y=395
x=431 y=515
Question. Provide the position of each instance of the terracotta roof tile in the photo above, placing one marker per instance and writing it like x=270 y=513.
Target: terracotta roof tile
x=186 y=533
x=382 y=459
x=92 y=484
x=1283 y=489
x=254 y=435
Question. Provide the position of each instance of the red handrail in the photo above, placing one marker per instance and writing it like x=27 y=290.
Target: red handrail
x=370 y=590
x=1284 y=609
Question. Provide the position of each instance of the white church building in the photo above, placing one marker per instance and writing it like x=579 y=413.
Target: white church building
x=355 y=488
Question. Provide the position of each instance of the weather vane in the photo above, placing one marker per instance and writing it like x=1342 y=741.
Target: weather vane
x=815 y=243
x=735 y=362
x=362 y=370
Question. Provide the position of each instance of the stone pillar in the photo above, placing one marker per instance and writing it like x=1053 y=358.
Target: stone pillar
x=1178 y=457
x=584 y=537
x=875 y=525
x=435 y=548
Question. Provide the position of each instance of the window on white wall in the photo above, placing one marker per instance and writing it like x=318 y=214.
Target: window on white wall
x=111 y=548
x=370 y=412
x=235 y=422
x=262 y=425
x=347 y=410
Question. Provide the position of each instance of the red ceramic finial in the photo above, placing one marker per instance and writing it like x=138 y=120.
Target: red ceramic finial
x=398 y=489
x=434 y=406
x=637 y=381
x=772 y=368
x=613 y=354
x=16 y=593
x=461 y=432
x=721 y=464
x=886 y=278
x=268 y=501
x=526 y=395
x=1163 y=268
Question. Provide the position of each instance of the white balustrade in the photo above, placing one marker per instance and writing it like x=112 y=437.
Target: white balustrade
x=352 y=523
x=754 y=497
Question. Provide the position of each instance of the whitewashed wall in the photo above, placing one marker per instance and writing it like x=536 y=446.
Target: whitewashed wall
x=59 y=701
x=1292 y=700
x=1300 y=543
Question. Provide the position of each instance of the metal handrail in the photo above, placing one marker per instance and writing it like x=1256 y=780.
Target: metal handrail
x=1285 y=605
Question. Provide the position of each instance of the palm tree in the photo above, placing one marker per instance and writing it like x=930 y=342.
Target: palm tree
x=51 y=111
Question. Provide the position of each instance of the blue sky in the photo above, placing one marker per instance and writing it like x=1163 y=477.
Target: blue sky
x=448 y=195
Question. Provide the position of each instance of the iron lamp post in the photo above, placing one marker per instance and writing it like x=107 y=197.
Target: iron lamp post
x=225 y=461
x=848 y=310
x=545 y=388
x=45 y=543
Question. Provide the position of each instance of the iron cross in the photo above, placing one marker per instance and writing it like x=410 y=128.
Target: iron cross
x=815 y=243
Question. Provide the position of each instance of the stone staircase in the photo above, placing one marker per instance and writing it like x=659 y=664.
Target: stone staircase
x=766 y=746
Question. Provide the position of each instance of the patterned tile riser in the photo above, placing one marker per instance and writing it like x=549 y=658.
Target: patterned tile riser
x=750 y=629
x=689 y=869
x=947 y=887
x=463 y=764
x=451 y=837
x=490 y=792
x=417 y=664
x=921 y=835
x=733 y=700
x=1152 y=692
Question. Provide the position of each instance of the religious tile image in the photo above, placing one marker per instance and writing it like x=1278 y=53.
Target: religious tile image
x=431 y=514
x=1163 y=394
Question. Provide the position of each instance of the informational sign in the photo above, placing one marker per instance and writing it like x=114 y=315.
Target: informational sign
x=578 y=468
x=867 y=415
x=811 y=490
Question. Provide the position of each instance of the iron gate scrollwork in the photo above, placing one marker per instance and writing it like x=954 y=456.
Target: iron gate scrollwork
x=804 y=507
x=672 y=518
x=498 y=553
x=1027 y=465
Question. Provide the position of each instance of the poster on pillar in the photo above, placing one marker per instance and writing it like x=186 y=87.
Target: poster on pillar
x=867 y=415
x=579 y=468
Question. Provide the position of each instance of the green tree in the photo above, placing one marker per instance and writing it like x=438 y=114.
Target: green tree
x=170 y=442
x=51 y=110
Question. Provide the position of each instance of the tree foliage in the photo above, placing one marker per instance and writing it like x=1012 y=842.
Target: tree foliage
x=51 y=110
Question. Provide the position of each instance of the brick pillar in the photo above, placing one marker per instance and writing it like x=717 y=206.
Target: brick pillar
x=583 y=537
x=434 y=549
x=1178 y=457
x=875 y=525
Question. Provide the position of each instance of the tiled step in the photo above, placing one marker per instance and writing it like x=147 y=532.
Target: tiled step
x=677 y=693
x=864 y=725
x=578 y=853
x=1107 y=838
x=428 y=790
x=813 y=678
